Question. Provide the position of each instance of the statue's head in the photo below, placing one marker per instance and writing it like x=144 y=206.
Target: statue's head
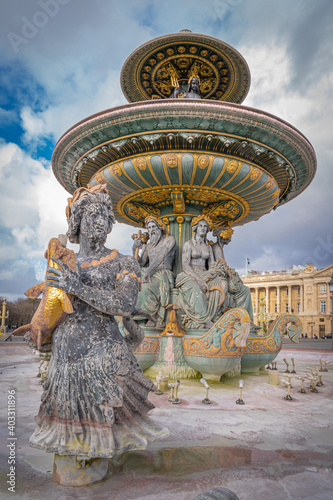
x=223 y=234
x=194 y=85
x=93 y=208
x=201 y=225
x=156 y=229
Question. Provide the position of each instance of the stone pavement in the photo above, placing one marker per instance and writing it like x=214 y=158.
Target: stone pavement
x=268 y=448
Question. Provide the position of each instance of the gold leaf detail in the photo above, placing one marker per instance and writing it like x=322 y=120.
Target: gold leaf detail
x=141 y=163
x=269 y=184
x=255 y=173
x=156 y=197
x=183 y=63
x=172 y=160
x=115 y=169
x=203 y=161
x=99 y=178
x=232 y=166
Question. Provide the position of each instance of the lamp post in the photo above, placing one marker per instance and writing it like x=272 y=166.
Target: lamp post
x=261 y=315
x=331 y=293
x=3 y=317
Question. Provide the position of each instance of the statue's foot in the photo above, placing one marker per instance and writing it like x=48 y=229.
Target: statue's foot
x=150 y=323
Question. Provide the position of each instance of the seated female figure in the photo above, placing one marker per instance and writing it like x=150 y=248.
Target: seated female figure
x=203 y=284
x=95 y=397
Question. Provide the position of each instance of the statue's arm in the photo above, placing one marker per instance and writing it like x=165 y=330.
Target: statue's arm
x=217 y=251
x=211 y=259
x=117 y=302
x=143 y=258
x=135 y=334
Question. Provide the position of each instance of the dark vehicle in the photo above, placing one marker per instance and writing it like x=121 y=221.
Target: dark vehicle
x=328 y=336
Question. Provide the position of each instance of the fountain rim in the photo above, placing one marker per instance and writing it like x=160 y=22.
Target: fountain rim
x=188 y=103
x=244 y=116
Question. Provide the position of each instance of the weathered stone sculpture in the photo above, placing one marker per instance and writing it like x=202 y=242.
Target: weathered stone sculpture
x=239 y=294
x=203 y=284
x=223 y=237
x=193 y=89
x=156 y=263
x=94 y=402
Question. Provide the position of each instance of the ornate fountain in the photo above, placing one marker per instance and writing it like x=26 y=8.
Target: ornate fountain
x=185 y=150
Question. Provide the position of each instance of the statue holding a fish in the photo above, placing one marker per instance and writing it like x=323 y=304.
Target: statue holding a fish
x=95 y=395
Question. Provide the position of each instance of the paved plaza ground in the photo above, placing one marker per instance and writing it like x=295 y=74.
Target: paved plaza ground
x=269 y=448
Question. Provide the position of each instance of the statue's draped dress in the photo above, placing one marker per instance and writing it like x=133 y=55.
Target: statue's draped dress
x=95 y=397
x=199 y=306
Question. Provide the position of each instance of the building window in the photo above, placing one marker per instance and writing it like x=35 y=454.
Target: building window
x=323 y=306
x=299 y=291
x=298 y=307
x=254 y=307
x=287 y=308
x=275 y=308
x=323 y=288
x=275 y=292
x=287 y=292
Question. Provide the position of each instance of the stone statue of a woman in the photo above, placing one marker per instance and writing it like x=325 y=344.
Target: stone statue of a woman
x=203 y=285
x=95 y=400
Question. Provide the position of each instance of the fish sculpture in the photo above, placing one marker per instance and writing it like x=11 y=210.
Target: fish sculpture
x=55 y=304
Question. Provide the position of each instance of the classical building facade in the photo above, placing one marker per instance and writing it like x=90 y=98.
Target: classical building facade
x=301 y=291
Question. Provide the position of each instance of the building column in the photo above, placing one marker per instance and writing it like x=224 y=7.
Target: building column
x=302 y=298
x=256 y=301
x=328 y=300
x=278 y=300
x=289 y=299
x=267 y=299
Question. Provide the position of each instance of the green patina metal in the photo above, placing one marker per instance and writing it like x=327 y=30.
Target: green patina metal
x=174 y=125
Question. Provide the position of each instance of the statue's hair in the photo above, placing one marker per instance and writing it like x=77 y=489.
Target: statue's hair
x=81 y=199
x=195 y=221
x=157 y=221
x=191 y=78
x=224 y=232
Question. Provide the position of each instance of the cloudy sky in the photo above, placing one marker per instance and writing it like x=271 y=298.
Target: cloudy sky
x=61 y=61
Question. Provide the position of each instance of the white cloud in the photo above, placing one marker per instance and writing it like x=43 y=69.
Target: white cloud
x=56 y=119
x=35 y=212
